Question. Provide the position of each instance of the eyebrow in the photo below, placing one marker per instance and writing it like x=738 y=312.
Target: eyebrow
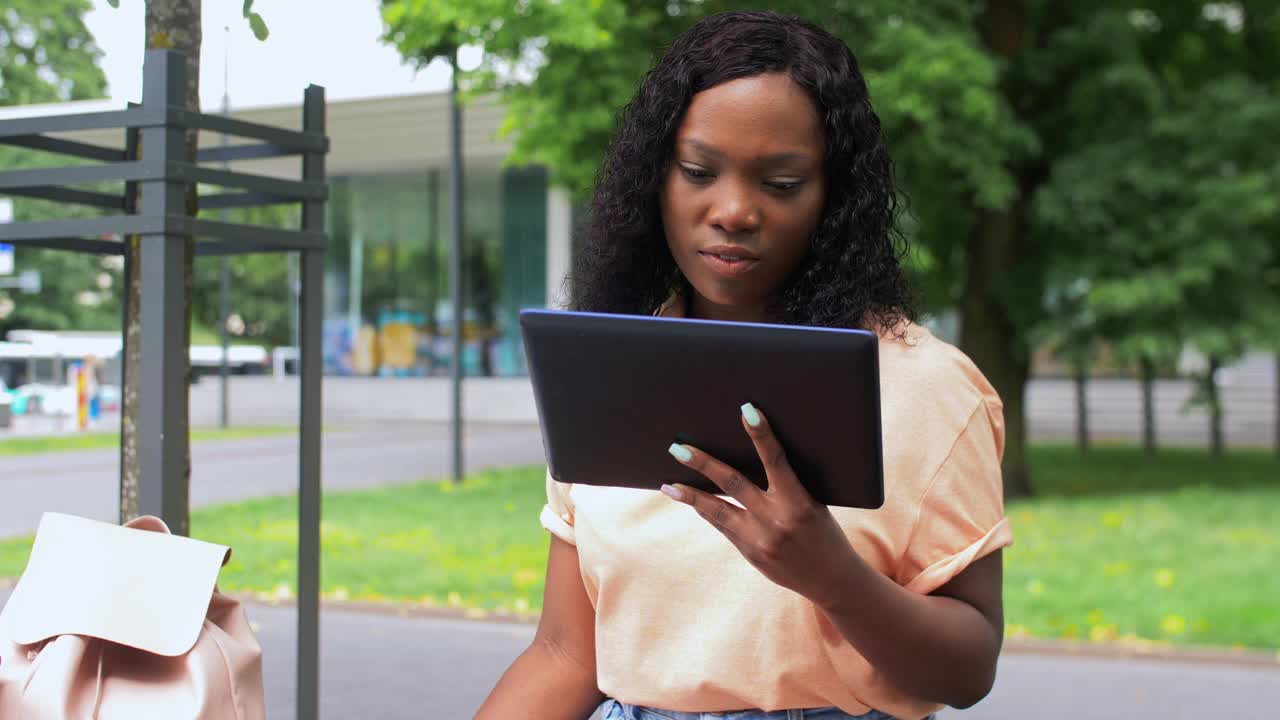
x=776 y=158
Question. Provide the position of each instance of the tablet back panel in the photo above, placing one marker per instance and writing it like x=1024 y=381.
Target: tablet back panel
x=614 y=391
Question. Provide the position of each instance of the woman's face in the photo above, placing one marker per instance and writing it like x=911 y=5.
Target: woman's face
x=743 y=194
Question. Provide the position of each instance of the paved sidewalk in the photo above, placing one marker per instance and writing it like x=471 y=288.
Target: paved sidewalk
x=384 y=667
x=408 y=669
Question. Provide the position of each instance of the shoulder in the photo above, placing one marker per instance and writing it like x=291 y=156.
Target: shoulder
x=934 y=380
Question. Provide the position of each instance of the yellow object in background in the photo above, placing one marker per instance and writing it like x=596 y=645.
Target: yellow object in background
x=82 y=397
x=364 y=351
x=398 y=343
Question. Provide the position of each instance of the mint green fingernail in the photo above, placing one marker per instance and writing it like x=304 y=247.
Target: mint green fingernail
x=751 y=414
x=680 y=452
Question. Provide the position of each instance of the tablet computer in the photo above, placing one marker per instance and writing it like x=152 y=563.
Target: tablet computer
x=614 y=391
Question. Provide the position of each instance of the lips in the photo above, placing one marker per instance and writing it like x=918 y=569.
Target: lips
x=728 y=260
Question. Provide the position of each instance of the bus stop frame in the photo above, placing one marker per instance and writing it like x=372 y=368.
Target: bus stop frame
x=152 y=161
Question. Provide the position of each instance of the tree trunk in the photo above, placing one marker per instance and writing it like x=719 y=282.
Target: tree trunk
x=987 y=333
x=989 y=338
x=173 y=24
x=1082 y=408
x=1147 y=369
x=1215 y=407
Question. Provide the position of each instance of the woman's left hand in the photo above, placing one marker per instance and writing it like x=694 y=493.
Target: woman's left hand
x=788 y=536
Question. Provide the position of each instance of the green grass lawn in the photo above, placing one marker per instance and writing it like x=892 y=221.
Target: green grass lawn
x=1179 y=548
x=105 y=440
x=478 y=547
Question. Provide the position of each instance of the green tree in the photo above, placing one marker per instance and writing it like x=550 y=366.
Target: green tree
x=1179 y=205
x=48 y=55
x=986 y=105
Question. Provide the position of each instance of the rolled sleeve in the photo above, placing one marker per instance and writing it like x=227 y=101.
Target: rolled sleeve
x=962 y=515
x=557 y=514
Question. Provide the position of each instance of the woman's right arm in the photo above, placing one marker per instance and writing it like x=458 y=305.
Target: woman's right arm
x=555 y=679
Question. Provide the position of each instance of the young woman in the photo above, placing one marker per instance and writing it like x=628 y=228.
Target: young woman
x=749 y=181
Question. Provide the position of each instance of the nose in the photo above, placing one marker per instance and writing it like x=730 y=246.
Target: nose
x=734 y=209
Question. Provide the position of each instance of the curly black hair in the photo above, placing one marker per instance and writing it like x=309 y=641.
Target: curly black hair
x=852 y=276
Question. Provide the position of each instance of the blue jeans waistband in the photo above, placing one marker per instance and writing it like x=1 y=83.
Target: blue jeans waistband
x=615 y=710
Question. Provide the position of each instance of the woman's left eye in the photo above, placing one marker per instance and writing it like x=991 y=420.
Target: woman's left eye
x=783 y=186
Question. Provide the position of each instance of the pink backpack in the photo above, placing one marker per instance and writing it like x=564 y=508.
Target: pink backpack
x=114 y=622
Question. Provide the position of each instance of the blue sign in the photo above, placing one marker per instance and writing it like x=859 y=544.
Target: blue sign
x=6 y=259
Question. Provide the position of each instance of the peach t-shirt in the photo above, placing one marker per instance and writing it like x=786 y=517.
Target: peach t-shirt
x=684 y=622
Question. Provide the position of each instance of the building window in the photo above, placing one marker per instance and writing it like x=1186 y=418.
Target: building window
x=387 y=295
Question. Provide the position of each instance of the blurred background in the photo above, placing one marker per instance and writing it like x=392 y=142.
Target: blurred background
x=1092 y=196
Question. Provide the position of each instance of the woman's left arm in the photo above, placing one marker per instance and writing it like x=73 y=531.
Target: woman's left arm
x=940 y=647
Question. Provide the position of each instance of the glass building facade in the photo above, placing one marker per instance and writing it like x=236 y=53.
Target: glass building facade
x=387 y=292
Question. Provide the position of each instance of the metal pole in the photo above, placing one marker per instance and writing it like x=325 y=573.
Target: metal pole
x=355 y=291
x=162 y=395
x=224 y=311
x=224 y=279
x=1082 y=408
x=310 y=308
x=455 y=263
x=292 y=273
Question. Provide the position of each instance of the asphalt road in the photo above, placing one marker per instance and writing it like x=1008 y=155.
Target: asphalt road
x=85 y=482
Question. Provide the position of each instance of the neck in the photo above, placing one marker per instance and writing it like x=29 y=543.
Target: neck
x=703 y=309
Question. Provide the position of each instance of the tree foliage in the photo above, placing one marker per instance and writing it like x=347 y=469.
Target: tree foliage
x=48 y=55
x=1173 y=199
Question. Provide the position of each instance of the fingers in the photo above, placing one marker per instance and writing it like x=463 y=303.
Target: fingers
x=733 y=483
x=727 y=518
x=782 y=479
x=767 y=518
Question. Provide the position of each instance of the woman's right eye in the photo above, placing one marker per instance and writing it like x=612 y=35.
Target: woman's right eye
x=696 y=174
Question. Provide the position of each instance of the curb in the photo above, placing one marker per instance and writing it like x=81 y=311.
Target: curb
x=394 y=609
x=1140 y=650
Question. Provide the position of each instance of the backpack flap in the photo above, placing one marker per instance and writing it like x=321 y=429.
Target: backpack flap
x=147 y=590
